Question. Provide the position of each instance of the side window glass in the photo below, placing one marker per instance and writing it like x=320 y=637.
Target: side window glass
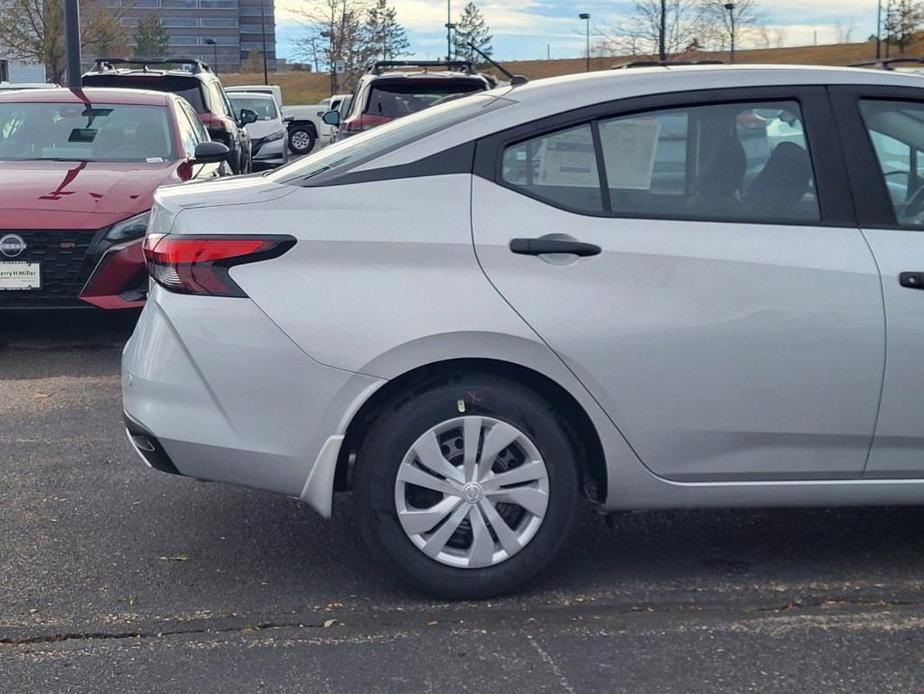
x=202 y=135
x=560 y=168
x=187 y=133
x=896 y=131
x=734 y=162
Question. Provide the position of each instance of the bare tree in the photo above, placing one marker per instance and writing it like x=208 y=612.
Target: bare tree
x=640 y=32
x=339 y=27
x=844 y=31
x=902 y=20
x=729 y=26
x=33 y=30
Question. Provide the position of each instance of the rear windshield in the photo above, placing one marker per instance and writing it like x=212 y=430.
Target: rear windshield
x=264 y=108
x=397 y=98
x=343 y=156
x=188 y=87
x=85 y=132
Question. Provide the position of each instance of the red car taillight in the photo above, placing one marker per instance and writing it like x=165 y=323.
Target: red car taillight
x=363 y=122
x=200 y=264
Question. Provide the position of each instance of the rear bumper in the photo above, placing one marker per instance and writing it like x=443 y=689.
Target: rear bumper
x=227 y=396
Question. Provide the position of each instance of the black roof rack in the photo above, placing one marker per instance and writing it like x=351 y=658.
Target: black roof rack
x=887 y=63
x=104 y=64
x=381 y=65
x=664 y=63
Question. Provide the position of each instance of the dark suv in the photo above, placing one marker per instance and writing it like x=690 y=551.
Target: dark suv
x=191 y=79
x=395 y=88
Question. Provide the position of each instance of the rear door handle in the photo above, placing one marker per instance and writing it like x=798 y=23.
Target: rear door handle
x=912 y=280
x=542 y=246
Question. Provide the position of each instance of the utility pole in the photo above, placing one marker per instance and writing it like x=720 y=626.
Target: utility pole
x=586 y=17
x=72 y=43
x=263 y=33
x=730 y=6
x=662 y=33
x=879 y=30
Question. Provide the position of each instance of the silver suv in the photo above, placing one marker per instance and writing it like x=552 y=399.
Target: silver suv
x=652 y=288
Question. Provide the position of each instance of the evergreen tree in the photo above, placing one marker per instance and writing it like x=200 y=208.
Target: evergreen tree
x=472 y=28
x=151 y=38
x=385 y=34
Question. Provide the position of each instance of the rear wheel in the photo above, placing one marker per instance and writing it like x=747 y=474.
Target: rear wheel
x=467 y=490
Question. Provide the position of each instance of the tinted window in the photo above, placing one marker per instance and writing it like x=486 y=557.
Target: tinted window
x=896 y=130
x=187 y=87
x=747 y=162
x=394 y=98
x=81 y=132
x=730 y=161
x=560 y=168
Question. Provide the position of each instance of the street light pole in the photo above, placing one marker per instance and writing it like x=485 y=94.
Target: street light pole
x=263 y=35
x=448 y=30
x=72 y=43
x=730 y=6
x=586 y=17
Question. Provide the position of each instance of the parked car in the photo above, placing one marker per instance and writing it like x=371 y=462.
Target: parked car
x=479 y=313
x=396 y=88
x=269 y=141
x=79 y=170
x=195 y=82
x=272 y=89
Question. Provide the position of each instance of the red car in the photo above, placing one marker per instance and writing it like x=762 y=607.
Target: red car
x=78 y=170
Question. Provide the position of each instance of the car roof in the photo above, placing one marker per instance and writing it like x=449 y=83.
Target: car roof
x=129 y=97
x=420 y=74
x=666 y=78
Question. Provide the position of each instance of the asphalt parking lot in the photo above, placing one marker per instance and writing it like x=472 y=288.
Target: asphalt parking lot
x=117 y=578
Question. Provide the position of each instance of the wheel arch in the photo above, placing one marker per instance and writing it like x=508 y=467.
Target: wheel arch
x=581 y=431
x=299 y=122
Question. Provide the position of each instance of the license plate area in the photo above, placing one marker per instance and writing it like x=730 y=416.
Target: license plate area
x=20 y=275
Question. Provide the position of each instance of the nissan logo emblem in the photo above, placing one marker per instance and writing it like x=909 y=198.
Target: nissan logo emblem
x=12 y=245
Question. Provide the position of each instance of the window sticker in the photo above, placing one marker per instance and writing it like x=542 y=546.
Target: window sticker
x=629 y=149
x=568 y=159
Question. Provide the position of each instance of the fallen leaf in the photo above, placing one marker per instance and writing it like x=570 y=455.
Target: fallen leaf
x=40 y=396
x=328 y=623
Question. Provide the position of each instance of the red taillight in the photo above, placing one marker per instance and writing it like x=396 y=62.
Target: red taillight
x=363 y=122
x=200 y=264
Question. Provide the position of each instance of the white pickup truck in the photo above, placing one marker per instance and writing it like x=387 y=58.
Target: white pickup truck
x=306 y=126
x=304 y=121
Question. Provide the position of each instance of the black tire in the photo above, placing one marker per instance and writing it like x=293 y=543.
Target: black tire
x=393 y=434
x=301 y=139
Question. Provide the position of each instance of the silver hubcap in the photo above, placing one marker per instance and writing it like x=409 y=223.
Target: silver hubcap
x=472 y=492
x=300 y=139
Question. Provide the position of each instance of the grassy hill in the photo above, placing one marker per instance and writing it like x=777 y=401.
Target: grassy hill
x=309 y=88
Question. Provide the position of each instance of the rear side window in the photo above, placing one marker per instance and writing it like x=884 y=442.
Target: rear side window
x=560 y=168
x=734 y=162
x=896 y=130
x=394 y=99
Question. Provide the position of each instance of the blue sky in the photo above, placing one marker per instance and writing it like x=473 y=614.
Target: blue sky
x=527 y=29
